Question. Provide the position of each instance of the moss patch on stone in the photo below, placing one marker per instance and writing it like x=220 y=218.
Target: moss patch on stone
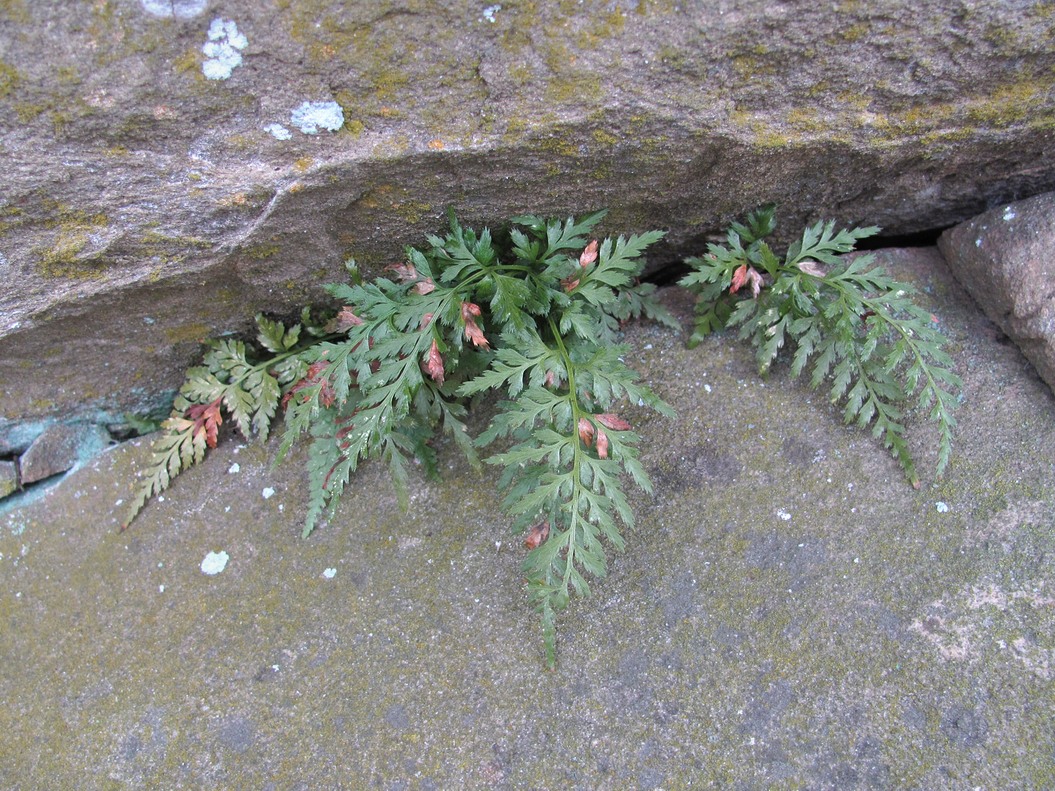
x=70 y=254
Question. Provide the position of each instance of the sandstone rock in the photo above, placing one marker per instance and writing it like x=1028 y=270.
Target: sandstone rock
x=1005 y=258
x=172 y=167
x=59 y=448
x=789 y=612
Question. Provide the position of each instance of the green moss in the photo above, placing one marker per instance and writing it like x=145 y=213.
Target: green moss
x=946 y=136
x=753 y=61
x=1013 y=104
x=413 y=211
x=525 y=18
x=189 y=63
x=521 y=74
x=1022 y=103
x=583 y=86
x=27 y=112
x=68 y=76
x=188 y=333
x=558 y=144
x=606 y=27
x=15 y=11
x=806 y=120
x=64 y=257
x=1043 y=10
x=243 y=142
x=169 y=249
x=9 y=79
x=517 y=129
x=857 y=101
x=349 y=104
x=10 y=217
x=1003 y=38
x=674 y=58
x=822 y=88
x=250 y=200
x=387 y=83
x=263 y=251
x=855 y=32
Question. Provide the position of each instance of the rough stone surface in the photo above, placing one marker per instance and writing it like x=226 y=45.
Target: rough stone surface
x=59 y=448
x=1005 y=258
x=171 y=167
x=790 y=613
x=8 y=478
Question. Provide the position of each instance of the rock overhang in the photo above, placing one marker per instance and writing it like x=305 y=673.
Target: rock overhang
x=152 y=201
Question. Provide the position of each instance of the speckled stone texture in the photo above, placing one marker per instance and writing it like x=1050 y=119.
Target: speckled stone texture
x=1005 y=258
x=789 y=612
x=172 y=167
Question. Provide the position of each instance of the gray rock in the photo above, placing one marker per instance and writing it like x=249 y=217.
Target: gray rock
x=871 y=639
x=172 y=168
x=1005 y=258
x=59 y=448
x=17 y=435
x=8 y=478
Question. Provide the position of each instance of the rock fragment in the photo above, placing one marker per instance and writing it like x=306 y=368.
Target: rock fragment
x=1005 y=259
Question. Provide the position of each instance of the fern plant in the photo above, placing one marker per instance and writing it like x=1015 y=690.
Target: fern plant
x=533 y=313
x=845 y=320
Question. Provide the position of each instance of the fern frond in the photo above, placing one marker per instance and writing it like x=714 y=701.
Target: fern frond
x=533 y=314
x=185 y=436
x=857 y=328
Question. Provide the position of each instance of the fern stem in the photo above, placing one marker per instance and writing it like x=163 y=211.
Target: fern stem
x=576 y=492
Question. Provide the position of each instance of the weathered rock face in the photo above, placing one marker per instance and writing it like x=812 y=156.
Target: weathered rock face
x=1005 y=258
x=172 y=167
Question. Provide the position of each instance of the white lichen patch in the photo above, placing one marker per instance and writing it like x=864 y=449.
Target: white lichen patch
x=223 y=49
x=312 y=117
x=1009 y=214
x=952 y=640
x=267 y=493
x=1003 y=526
x=214 y=563
x=329 y=573
x=278 y=131
x=490 y=11
x=993 y=596
x=962 y=631
x=174 y=9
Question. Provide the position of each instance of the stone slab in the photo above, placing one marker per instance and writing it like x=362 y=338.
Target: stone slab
x=789 y=612
x=169 y=173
